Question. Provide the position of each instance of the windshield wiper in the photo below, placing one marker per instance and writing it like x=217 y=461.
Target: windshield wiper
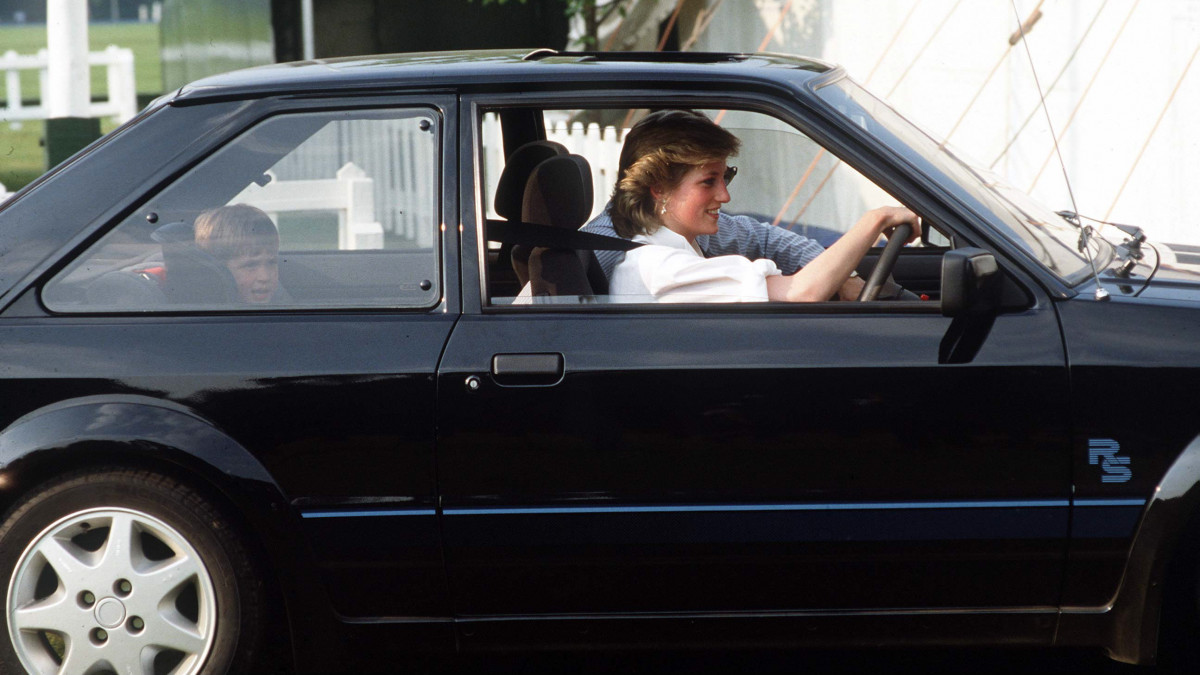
x=1129 y=252
x=1085 y=238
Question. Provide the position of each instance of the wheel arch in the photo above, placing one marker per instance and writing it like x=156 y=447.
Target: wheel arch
x=146 y=433
x=1171 y=515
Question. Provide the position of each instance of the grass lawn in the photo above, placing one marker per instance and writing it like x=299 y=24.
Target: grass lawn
x=22 y=157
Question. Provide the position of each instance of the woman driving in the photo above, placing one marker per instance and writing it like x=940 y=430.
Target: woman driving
x=671 y=185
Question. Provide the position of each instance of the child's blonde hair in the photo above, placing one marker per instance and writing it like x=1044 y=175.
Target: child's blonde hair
x=227 y=232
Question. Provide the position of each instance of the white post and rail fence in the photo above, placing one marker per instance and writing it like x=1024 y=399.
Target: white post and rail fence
x=120 y=103
x=64 y=98
x=600 y=145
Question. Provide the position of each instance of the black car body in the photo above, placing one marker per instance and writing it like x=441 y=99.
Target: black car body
x=397 y=462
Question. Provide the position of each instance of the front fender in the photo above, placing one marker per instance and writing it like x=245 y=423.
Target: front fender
x=1136 y=608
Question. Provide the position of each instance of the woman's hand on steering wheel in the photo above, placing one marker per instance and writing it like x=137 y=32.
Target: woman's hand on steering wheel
x=895 y=216
x=901 y=226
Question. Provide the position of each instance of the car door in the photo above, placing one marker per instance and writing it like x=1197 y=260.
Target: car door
x=608 y=459
x=327 y=379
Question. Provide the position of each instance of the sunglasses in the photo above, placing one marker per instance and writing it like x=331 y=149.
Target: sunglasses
x=730 y=172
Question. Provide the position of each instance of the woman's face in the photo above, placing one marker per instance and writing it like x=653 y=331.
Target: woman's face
x=693 y=206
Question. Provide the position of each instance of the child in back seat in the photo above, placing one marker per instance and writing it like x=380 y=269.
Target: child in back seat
x=247 y=242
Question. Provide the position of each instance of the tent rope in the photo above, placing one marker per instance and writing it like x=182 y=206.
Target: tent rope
x=1083 y=96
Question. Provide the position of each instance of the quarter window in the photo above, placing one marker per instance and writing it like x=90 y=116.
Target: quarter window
x=321 y=210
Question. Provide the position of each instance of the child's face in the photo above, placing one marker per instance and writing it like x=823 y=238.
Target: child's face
x=256 y=274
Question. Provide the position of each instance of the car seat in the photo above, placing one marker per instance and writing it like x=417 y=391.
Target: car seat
x=127 y=289
x=193 y=277
x=559 y=194
x=510 y=193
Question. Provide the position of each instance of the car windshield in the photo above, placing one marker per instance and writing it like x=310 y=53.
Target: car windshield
x=1038 y=230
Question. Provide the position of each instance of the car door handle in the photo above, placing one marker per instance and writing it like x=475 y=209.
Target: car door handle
x=527 y=369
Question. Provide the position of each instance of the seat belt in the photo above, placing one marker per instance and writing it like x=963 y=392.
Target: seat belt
x=532 y=234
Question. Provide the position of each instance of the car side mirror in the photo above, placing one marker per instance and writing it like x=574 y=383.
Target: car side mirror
x=932 y=238
x=970 y=282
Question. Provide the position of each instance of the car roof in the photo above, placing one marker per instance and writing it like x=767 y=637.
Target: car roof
x=498 y=68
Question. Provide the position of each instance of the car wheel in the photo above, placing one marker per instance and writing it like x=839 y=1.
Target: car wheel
x=126 y=571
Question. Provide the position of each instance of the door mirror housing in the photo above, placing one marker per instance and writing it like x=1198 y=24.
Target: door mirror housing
x=970 y=282
x=932 y=238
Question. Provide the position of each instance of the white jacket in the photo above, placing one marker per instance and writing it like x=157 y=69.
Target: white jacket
x=670 y=269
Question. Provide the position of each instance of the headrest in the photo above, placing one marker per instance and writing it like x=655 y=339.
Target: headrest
x=510 y=191
x=177 y=232
x=559 y=193
x=193 y=276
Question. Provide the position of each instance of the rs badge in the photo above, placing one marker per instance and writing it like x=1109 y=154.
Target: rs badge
x=1103 y=452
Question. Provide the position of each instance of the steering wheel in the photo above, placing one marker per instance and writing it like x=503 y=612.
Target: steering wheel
x=887 y=261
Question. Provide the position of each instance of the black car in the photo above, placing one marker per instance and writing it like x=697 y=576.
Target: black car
x=417 y=424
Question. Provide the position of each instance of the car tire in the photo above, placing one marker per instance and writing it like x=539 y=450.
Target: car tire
x=126 y=571
x=1178 y=650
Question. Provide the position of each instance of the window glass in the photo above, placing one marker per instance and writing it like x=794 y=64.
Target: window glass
x=784 y=180
x=1043 y=233
x=319 y=210
x=789 y=181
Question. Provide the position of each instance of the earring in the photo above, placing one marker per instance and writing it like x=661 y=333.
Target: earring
x=663 y=211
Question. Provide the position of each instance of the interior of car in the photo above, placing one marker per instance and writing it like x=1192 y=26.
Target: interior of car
x=547 y=172
x=356 y=225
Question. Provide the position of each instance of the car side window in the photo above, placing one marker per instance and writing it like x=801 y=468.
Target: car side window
x=302 y=211
x=794 y=183
x=785 y=181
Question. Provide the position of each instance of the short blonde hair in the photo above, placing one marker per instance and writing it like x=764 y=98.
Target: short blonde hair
x=229 y=231
x=658 y=152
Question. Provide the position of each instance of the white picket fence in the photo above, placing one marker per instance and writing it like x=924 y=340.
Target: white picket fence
x=398 y=156
x=121 y=104
x=351 y=193
x=601 y=146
